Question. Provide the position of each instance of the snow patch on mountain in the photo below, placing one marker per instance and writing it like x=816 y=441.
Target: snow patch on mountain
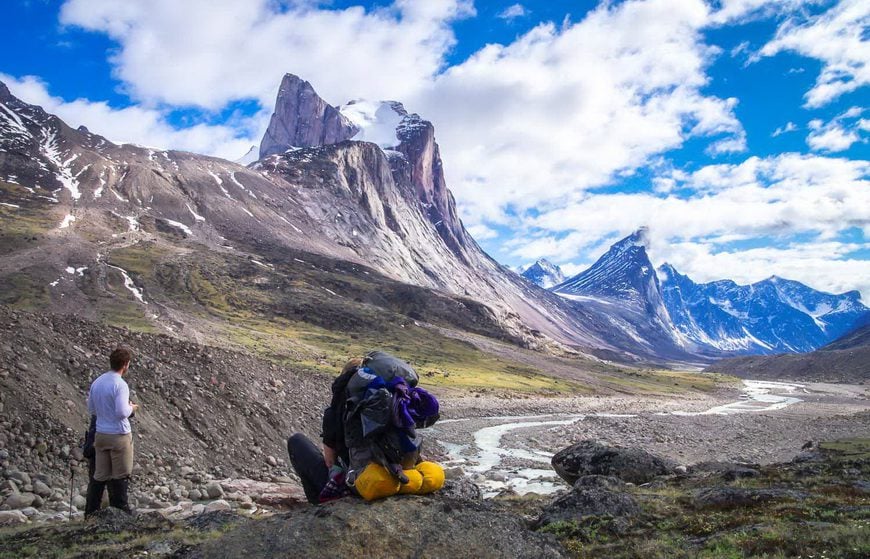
x=377 y=121
x=64 y=173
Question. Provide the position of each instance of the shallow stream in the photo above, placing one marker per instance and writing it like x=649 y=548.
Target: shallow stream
x=486 y=453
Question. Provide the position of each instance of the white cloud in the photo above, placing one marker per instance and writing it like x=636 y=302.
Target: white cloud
x=838 y=38
x=781 y=196
x=788 y=127
x=481 y=232
x=209 y=52
x=140 y=125
x=512 y=12
x=739 y=11
x=564 y=109
x=559 y=110
x=839 y=133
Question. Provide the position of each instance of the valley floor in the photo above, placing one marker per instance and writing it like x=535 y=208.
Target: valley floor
x=505 y=441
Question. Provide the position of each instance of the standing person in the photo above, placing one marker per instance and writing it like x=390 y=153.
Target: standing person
x=109 y=401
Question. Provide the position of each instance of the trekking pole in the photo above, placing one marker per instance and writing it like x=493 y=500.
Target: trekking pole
x=72 y=477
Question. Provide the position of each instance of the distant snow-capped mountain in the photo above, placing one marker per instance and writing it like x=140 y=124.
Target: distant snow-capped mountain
x=624 y=272
x=544 y=274
x=771 y=316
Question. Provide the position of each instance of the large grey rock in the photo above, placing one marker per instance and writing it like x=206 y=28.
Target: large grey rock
x=599 y=496
x=41 y=489
x=461 y=488
x=21 y=477
x=218 y=505
x=404 y=526
x=593 y=458
x=12 y=517
x=303 y=119
x=19 y=500
x=214 y=490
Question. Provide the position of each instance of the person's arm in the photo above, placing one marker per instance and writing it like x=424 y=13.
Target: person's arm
x=330 y=433
x=91 y=408
x=329 y=456
x=123 y=407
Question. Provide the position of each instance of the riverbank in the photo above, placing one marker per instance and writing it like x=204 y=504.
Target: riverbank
x=505 y=444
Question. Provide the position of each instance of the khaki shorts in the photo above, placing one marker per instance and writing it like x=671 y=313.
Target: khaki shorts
x=114 y=456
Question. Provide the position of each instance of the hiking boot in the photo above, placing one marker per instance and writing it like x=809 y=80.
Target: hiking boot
x=118 y=494
x=95 y=496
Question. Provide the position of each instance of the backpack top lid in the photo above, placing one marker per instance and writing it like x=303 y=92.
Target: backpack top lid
x=388 y=367
x=379 y=364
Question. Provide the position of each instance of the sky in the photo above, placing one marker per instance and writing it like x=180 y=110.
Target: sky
x=736 y=130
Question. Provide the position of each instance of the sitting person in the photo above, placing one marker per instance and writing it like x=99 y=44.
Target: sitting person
x=370 y=441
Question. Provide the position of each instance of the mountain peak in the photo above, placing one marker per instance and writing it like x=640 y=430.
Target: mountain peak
x=544 y=274
x=638 y=238
x=303 y=119
x=624 y=272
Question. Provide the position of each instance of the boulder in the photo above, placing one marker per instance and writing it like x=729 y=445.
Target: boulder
x=402 y=526
x=41 y=489
x=214 y=490
x=21 y=477
x=598 y=496
x=593 y=458
x=19 y=500
x=220 y=504
x=461 y=488
x=12 y=517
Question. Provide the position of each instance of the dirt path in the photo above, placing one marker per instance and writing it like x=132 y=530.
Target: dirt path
x=508 y=444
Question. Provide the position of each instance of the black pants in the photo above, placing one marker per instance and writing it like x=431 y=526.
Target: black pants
x=307 y=461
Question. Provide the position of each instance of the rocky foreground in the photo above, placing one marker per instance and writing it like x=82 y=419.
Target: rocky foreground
x=621 y=503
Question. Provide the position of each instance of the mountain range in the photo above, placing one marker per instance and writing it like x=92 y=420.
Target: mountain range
x=324 y=230
x=771 y=316
x=845 y=360
x=342 y=221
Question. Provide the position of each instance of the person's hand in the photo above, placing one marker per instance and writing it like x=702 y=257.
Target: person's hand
x=328 y=456
x=135 y=407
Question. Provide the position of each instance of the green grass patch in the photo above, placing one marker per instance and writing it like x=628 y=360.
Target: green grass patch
x=141 y=259
x=25 y=290
x=851 y=449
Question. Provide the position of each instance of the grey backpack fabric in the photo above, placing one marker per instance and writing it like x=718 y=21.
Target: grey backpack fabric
x=388 y=366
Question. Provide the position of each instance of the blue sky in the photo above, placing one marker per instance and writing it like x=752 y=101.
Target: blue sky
x=738 y=131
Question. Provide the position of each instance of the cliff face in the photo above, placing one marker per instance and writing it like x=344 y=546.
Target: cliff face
x=303 y=119
x=417 y=144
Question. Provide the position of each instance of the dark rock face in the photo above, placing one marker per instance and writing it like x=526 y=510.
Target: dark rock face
x=303 y=119
x=729 y=497
x=405 y=526
x=592 y=458
x=592 y=496
x=417 y=144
